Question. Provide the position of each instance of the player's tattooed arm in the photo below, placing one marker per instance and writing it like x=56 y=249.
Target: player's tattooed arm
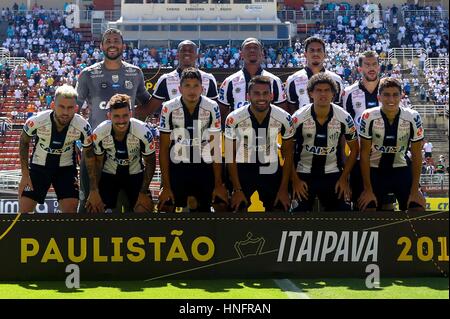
x=149 y=171
x=24 y=147
x=93 y=167
x=25 y=181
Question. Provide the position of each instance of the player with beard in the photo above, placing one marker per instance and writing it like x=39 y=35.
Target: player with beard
x=53 y=161
x=99 y=82
x=357 y=98
x=168 y=84
x=252 y=131
x=297 y=83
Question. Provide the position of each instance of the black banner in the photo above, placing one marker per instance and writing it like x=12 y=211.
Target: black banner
x=151 y=76
x=210 y=246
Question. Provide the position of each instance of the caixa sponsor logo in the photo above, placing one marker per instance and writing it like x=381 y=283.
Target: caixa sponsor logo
x=241 y=104
x=55 y=151
x=389 y=149
x=319 y=150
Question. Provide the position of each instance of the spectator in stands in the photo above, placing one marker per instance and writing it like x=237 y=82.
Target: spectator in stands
x=18 y=94
x=5 y=89
x=3 y=127
x=428 y=148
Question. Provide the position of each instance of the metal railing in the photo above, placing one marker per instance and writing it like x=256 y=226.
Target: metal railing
x=430 y=110
x=85 y=15
x=321 y=15
x=431 y=63
x=431 y=14
x=13 y=61
x=4 y=53
x=9 y=180
x=436 y=180
x=405 y=53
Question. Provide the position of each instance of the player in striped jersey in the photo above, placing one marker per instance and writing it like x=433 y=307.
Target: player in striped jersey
x=121 y=145
x=234 y=89
x=190 y=127
x=387 y=132
x=53 y=161
x=319 y=129
x=168 y=84
x=358 y=97
x=296 y=84
x=252 y=131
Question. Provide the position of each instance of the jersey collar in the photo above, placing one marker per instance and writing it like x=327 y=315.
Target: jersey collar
x=310 y=73
x=314 y=115
x=247 y=74
x=363 y=88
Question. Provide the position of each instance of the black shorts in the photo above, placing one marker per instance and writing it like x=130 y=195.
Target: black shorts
x=357 y=186
x=396 y=180
x=110 y=185
x=63 y=179
x=192 y=180
x=253 y=179
x=322 y=186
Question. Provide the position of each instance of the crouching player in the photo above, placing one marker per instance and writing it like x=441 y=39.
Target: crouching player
x=387 y=132
x=190 y=125
x=125 y=157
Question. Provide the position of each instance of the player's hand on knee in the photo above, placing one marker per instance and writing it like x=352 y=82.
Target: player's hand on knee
x=237 y=200
x=299 y=189
x=166 y=196
x=94 y=202
x=283 y=199
x=144 y=204
x=342 y=188
x=221 y=193
x=365 y=199
x=416 y=201
x=25 y=184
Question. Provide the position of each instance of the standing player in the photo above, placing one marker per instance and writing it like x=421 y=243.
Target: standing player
x=53 y=159
x=357 y=98
x=120 y=145
x=168 y=84
x=190 y=124
x=100 y=81
x=234 y=89
x=253 y=130
x=387 y=132
x=297 y=83
x=319 y=129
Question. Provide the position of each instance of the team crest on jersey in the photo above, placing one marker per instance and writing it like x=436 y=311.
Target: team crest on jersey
x=128 y=85
x=104 y=85
x=237 y=90
x=230 y=121
x=420 y=132
x=174 y=91
x=358 y=104
x=301 y=91
x=115 y=78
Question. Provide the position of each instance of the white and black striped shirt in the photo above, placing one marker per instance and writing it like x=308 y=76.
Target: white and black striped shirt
x=123 y=157
x=317 y=146
x=390 y=143
x=52 y=148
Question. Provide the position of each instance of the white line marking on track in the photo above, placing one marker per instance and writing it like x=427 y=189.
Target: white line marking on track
x=290 y=289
